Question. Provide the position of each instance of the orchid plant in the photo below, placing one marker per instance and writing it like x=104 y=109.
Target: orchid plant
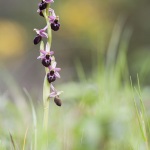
x=46 y=55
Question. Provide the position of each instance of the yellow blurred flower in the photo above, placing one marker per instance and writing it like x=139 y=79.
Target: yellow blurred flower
x=79 y=16
x=12 y=39
x=86 y=18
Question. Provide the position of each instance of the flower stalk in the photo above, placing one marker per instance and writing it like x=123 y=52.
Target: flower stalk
x=46 y=103
x=48 y=61
x=49 y=30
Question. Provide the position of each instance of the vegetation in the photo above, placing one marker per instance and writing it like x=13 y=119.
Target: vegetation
x=104 y=111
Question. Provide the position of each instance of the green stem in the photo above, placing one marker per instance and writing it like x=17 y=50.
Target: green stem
x=46 y=112
x=49 y=31
x=46 y=91
x=46 y=85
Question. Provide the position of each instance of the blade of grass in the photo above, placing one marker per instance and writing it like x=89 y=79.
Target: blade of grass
x=114 y=41
x=140 y=118
x=144 y=131
x=136 y=108
x=142 y=104
x=25 y=137
x=121 y=67
x=12 y=141
x=34 y=118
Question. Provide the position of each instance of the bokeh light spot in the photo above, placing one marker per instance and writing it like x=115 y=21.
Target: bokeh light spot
x=12 y=39
x=81 y=17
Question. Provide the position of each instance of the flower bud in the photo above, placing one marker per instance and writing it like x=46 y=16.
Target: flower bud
x=57 y=101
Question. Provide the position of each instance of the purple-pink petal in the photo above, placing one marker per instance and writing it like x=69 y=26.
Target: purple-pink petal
x=57 y=69
x=51 y=52
x=41 y=57
x=45 y=28
x=53 y=94
x=52 y=87
x=57 y=74
x=43 y=34
x=50 y=68
x=52 y=19
x=48 y=1
x=42 y=30
x=43 y=52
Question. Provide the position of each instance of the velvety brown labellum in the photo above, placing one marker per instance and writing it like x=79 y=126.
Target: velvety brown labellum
x=42 y=5
x=51 y=78
x=57 y=101
x=37 y=39
x=55 y=25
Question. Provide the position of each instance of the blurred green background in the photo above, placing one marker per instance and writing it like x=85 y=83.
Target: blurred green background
x=99 y=46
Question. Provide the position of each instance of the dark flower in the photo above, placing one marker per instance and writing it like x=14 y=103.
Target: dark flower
x=40 y=33
x=46 y=61
x=53 y=74
x=42 y=5
x=45 y=56
x=55 y=94
x=55 y=25
x=51 y=77
x=37 y=39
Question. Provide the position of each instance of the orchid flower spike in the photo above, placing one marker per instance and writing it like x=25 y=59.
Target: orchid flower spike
x=45 y=56
x=40 y=33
